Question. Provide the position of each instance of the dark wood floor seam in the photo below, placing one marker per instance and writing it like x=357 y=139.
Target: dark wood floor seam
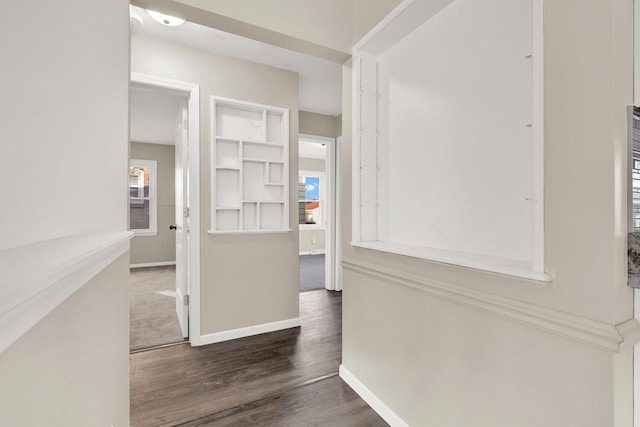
x=157 y=347
x=260 y=401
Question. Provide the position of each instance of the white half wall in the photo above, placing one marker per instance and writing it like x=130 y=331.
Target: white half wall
x=64 y=118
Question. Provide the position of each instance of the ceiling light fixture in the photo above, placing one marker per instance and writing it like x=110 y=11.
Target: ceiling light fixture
x=168 y=20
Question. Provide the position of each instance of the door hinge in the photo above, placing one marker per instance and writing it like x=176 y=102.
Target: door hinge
x=186 y=212
x=185 y=124
x=186 y=299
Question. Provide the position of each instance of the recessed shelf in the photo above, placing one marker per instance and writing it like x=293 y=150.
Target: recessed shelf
x=279 y=202
x=246 y=159
x=266 y=143
x=268 y=231
x=224 y=138
x=471 y=210
x=251 y=152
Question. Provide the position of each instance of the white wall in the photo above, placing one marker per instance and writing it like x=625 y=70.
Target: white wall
x=458 y=154
x=64 y=84
x=72 y=368
x=321 y=29
x=306 y=19
x=232 y=295
x=63 y=166
x=435 y=359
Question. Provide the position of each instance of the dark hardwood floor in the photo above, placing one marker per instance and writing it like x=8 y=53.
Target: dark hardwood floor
x=284 y=378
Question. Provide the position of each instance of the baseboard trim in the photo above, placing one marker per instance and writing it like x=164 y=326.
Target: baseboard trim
x=247 y=332
x=605 y=336
x=320 y=252
x=372 y=400
x=152 y=264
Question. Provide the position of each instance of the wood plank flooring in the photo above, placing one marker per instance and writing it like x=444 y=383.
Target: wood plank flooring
x=284 y=378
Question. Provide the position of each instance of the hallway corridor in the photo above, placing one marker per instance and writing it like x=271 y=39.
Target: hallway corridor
x=284 y=378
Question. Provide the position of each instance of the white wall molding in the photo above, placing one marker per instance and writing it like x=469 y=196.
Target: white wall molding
x=153 y=264
x=37 y=278
x=372 y=400
x=247 y=332
x=318 y=252
x=601 y=335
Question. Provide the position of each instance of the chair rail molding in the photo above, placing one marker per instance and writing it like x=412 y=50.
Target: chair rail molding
x=37 y=278
x=613 y=338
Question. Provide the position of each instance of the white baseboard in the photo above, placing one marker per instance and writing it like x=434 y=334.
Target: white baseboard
x=152 y=264
x=247 y=332
x=372 y=400
x=318 y=252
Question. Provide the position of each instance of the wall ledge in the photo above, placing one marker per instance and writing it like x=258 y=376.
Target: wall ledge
x=613 y=338
x=38 y=277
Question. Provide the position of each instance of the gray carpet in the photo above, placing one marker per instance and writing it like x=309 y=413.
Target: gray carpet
x=311 y=272
x=152 y=307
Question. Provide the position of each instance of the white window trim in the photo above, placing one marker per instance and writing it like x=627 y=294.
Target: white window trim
x=322 y=200
x=152 y=165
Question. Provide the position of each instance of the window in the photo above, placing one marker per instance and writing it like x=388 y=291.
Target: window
x=311 y=199
x=636 y=190
x=142 y=197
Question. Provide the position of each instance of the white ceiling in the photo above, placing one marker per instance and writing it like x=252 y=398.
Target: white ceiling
x=153 y=114
x=320 y=81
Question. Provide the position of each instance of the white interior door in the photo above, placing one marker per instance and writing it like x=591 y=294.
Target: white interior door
x=182 y=220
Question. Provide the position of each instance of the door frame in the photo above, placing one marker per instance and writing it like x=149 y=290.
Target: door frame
x=333 y=280
x=193 y=188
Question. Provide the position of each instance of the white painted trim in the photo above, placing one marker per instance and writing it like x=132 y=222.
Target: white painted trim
x=318 y=252
x=538 y=130
x=331 y=178
x=194 y=191
x=37 y=278
x=337 y=262
x=381 y=25
x=152 y=264
x=372 y=400
x=152 y=165
x=324 y=202
x=144 y=233
x=249 y=331
x=311 y=227
x=222 y=232
x=463 y=259
x=315 y=138
x=605 y=336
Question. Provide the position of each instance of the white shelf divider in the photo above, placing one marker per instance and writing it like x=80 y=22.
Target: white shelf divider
x=261 y=133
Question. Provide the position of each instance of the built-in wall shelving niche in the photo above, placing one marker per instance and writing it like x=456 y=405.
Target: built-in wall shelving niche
x=250 y=173
x=449 y=164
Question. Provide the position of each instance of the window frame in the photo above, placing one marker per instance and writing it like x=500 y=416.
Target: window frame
x=152 y=166
x=322 y=199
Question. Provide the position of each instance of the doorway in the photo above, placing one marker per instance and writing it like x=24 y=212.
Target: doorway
x=317 y=207
x=163 y=199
